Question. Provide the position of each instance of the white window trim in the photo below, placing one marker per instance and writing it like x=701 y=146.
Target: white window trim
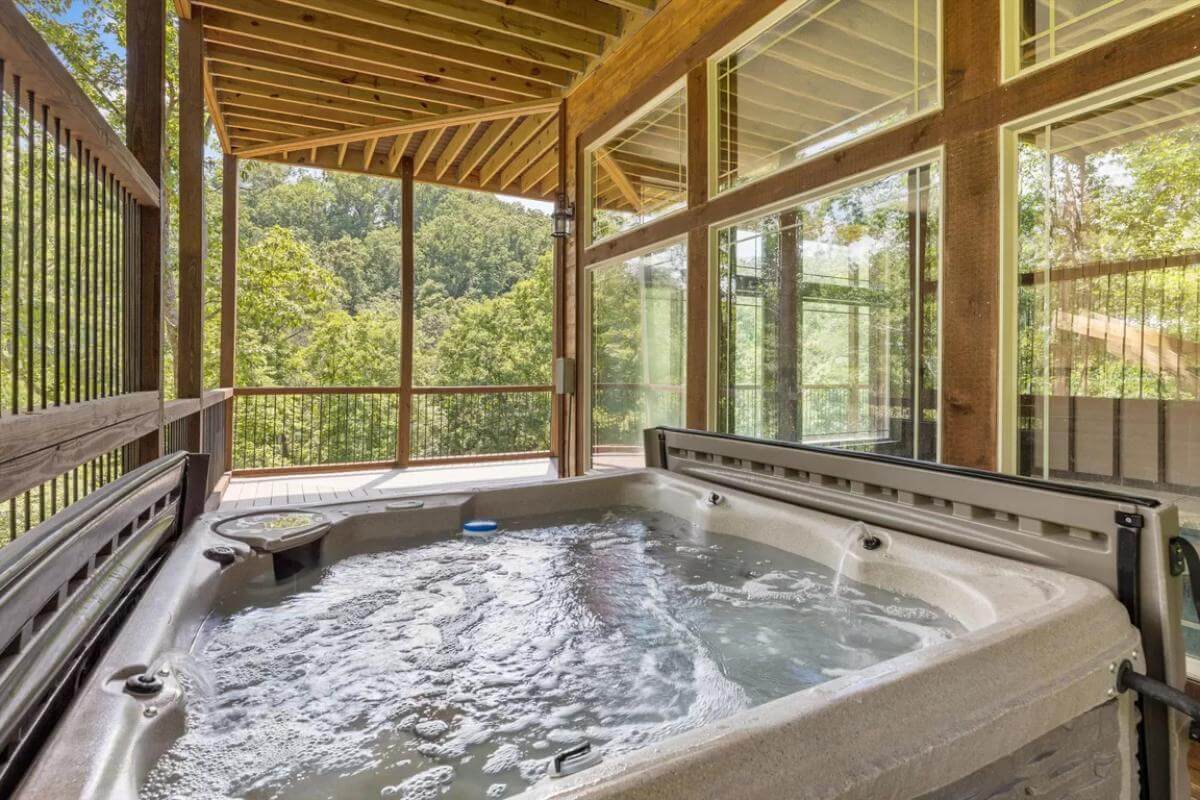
x=931 y=156
x=1006 y=384
x=584 y=389
x=1010 y=38
x=599 y=141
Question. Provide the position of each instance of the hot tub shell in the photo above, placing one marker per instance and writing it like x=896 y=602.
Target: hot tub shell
x=1025 y=698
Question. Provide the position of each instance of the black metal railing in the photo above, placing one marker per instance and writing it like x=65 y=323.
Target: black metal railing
x=476 y=423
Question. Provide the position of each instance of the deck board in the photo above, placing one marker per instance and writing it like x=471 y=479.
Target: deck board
x=265 y=492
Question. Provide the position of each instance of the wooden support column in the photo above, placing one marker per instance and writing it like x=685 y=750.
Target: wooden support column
x=971 y=257
x=229 y=259
x=145 y=124
x=696 y=412
x=407 y=290
x=558 y=408
x=787 y=330
x=189 y=363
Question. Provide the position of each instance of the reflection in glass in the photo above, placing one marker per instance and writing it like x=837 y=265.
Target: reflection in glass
x=1109 y=300
x=1050 y=28
x=828 y=329
x=639 y=352
x=828 y=72
x=640 y=173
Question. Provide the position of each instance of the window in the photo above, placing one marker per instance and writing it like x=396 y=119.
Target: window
x=1107 y=267
x=638 y=352
x=1047 y=29
x=828 y=319
x=639 y=173
x=823 y=74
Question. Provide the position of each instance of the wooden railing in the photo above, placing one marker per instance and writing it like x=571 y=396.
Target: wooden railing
x=306 y=429
x=211 y=413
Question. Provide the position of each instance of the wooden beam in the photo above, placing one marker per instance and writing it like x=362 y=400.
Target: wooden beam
x=407 y=292
x=475 y=156
x=515 y=142
x=386 y=33
x=443 y=82
x=500 y=19
x=455 y=148
x=189 y=359
x=254 y=104
x=341 y=153
x=588 y=15
x=229 y=259
x=27 y=54
x=537 y=147
x=425 y=149
x=399 y=146
x=415 y=126
x=145 y=120
x=327 y=106
x=640 y=6
x=369 y=151
x=536 y=172
x=22 y=434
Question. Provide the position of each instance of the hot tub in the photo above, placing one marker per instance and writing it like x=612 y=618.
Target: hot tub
x=1015 y=693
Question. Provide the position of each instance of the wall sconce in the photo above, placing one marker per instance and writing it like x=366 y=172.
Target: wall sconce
x=563 y=217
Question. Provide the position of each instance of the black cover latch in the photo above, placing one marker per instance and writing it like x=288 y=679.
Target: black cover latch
x=1129 y=519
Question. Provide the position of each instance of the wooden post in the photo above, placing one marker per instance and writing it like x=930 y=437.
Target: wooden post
x=558 y=406
x=407 y=290
x=971 y=257
x=696 y=394
x=145 y=124
x=787 y=330
x=229 y=259
x=189 y=364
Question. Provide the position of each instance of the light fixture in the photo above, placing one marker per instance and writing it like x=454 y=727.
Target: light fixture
x=563 y=217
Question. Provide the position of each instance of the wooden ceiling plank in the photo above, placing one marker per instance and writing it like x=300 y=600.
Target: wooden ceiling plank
x=258 y=95
x=425 y=150
x=415 y=17
x=369 y=151
x=253 y=103
x=437 y=88
x=392 y=129
x=540 y=169
x=324 y=44
x=214 y=108
x=270 y=62
x=510 y=22
x=399 y=147
x=537 y=147
x=515 y=142
x=455 y=148
x=308 y=25
x=479 y=152
x=270 y=126
x=645 y=7
x=318 y=88
x=588 y=15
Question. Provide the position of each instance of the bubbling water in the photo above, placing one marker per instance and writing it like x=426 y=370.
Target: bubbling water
x=459 y=668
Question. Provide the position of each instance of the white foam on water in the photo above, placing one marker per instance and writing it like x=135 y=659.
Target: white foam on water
x=459 y=668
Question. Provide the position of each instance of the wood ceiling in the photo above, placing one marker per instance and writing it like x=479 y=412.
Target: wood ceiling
x=468 y=89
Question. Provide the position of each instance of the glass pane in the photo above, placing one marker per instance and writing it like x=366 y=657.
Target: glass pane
x=828 y=329
x=640 y=173
x=1051 y=28
x=1109 y=314
x=825 y=74
x=639 y=352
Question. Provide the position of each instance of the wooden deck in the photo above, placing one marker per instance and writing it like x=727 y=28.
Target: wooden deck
x=261 y=492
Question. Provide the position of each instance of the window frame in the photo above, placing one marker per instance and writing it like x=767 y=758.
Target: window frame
x=1010 y=38
x=584 y=369
x=751 y=33
x=1006 y=385
x=933 y=155
x=590 y=148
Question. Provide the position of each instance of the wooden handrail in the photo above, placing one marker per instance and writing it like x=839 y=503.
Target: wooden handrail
x=253 y=391
x=26 y=53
